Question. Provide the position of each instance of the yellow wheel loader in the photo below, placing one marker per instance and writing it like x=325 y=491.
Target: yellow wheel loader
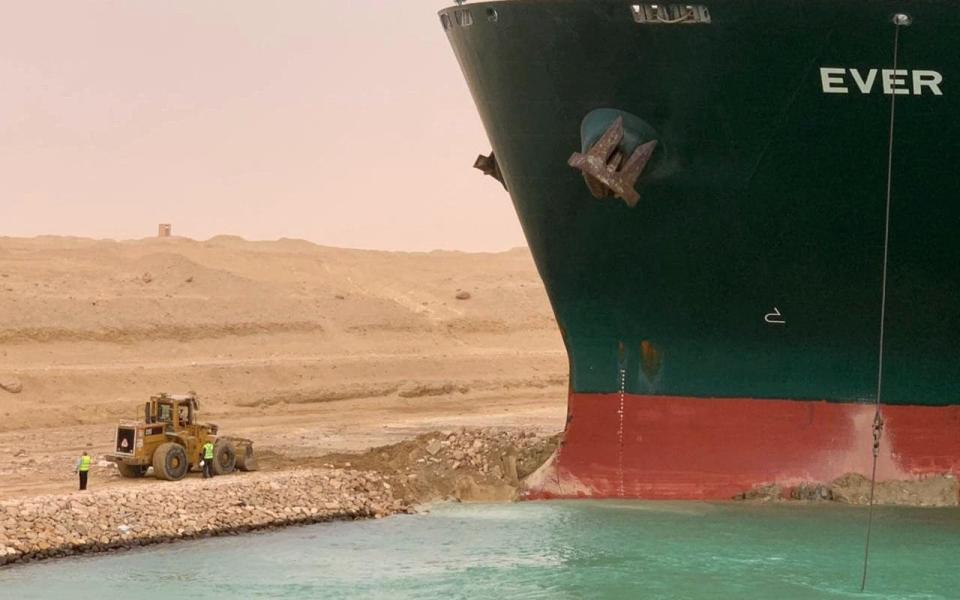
x=170 y=440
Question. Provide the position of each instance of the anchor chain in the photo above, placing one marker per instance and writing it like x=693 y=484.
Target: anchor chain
x=877 y=433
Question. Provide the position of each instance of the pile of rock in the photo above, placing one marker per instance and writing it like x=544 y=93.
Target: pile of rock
x=853 y=488
x=51 y=526
x=499 y=454
x=466 y=464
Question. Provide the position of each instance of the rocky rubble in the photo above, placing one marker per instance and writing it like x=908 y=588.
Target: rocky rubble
x=463 y=465
x=113 y=518
x=853 y=488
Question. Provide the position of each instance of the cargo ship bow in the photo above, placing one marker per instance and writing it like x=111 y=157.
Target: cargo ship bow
x=704 y=191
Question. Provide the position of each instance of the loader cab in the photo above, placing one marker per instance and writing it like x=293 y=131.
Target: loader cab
x=174 y=411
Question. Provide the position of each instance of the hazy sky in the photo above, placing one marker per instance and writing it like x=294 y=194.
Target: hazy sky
x=346 y=123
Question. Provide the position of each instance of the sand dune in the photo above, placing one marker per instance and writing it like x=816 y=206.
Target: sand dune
x=90 y=328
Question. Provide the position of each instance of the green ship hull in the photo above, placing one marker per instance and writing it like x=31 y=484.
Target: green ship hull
x=743 y=291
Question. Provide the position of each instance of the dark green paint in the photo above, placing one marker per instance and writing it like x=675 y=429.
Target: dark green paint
x=773 y=196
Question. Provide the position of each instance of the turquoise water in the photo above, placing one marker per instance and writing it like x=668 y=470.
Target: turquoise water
x=538 y=550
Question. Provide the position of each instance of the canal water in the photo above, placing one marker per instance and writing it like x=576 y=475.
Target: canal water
x=538 y=550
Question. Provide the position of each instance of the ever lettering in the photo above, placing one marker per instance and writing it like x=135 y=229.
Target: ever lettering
x=837 y=80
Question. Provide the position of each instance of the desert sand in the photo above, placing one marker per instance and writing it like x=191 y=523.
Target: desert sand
x=303 y=348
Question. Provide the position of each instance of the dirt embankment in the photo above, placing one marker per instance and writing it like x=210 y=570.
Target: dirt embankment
x=478 y=465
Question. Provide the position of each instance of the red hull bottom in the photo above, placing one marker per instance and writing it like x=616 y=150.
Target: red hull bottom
x=662 y=447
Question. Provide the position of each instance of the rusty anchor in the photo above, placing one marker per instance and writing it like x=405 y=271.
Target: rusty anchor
x=604 y=169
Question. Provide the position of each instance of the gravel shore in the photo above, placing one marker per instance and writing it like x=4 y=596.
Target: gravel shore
x=95 y=521
x=464 y=465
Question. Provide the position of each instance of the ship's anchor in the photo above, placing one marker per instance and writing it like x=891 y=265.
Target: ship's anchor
x=604 y=168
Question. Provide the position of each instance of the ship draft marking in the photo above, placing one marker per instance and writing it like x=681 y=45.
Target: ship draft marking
x=893 y=81
x=775 y=318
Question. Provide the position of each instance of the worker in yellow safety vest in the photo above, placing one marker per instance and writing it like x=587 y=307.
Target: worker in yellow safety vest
x=83 y=468
x=208 y=459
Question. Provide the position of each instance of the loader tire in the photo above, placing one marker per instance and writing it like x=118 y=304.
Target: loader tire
x=224 y=457
x=246 y=460
x=170 y=462
x=132 y=471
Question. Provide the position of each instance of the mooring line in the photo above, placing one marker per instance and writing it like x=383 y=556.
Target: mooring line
x=898 y=21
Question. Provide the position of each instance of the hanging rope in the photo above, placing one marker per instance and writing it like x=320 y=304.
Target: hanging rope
x=688 y=15
x=899 y=20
